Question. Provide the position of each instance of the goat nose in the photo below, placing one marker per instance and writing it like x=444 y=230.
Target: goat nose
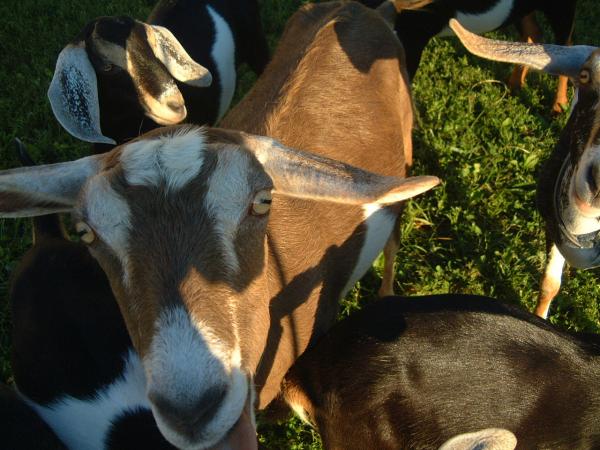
x=592 y=181
x=176 y=107
x=189 y=417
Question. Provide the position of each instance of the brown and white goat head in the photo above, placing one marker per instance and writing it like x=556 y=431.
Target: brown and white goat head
x=133 y=64
x=178 y=221
x=569 y=186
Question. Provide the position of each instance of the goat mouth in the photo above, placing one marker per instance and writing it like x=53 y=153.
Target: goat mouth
x=242 y=436
x=581 y=251
x=171 y=119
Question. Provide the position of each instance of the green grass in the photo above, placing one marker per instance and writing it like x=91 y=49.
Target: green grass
x=477 y=233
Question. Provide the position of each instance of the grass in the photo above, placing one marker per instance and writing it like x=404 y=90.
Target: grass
x=477 y=233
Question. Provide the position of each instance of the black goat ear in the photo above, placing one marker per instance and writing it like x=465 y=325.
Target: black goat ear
x=73 y=95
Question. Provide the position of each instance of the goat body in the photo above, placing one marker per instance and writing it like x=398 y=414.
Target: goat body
x=219 y=319
x=337 y=87
x=119 y=77
x=413 y=372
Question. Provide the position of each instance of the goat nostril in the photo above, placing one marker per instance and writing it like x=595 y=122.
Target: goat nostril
x=593 y=179
x=178 y=108
x=188 y=418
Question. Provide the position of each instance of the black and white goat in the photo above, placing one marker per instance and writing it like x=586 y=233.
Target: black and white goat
x=569 y=183
x=72 y=358
x=121 y=77
x=411 y=372
x=416 y=28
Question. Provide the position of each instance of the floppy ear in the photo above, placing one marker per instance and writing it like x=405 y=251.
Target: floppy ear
x=488 y=439
x=180 y=65
x=73 y=95
x=38 y=190
x=306 y=175
x=552 y=59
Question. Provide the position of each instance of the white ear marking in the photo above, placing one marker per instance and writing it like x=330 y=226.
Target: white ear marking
x=73 y=95
x=170 y=52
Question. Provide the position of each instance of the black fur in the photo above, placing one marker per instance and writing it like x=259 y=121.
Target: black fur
x=21 y=428
x=413 y=372
x=122 y=117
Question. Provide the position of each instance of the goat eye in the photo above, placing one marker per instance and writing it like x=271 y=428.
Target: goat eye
x=261 y=203
x=584 y=76
x=85 y=233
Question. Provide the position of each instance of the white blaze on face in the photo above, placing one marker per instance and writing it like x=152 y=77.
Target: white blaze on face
x=223 y=54
x=184 y=361
x=228 y=200
x=486 y=21
x=173 y=159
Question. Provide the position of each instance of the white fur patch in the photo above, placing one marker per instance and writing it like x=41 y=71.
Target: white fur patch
x=228 y=199
x=379 y=223
x=184 y=360
x=554 y=270
x=84 y=424
x=110 y=217
x=299 y=410
x=169 y=51
x=223 y=53
x=484 y=22
x=173 y=159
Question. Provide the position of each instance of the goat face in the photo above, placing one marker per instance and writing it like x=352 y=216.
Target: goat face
x=127 y=69
x=178 y=220
x=573 y=218
x=569 y=186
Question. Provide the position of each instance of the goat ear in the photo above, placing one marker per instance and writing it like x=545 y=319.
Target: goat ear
x=306 y=175
x=488 y=439
x=180 y=65
x=553 y=59
x=73 y=95
x=46 y=189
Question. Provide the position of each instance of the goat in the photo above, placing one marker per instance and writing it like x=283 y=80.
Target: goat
x=21 y=428
x=220 y=297
x=416 y=28
x=72 y=359
x=141 y=208
x=120 y=77
x=410 y=372
x=569 y=182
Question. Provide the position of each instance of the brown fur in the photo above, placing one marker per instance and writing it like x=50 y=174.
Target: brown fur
x=336 y=86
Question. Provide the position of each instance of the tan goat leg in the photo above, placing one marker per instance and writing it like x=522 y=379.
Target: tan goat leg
x=550 y=283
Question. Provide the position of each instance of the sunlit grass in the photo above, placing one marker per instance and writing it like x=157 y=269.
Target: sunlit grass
x=477 y=233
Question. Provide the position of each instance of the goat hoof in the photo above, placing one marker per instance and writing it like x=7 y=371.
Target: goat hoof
x=558 y=108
